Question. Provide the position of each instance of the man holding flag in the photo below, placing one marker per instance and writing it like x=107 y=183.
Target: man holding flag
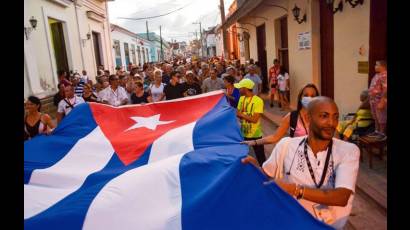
x=318 y=170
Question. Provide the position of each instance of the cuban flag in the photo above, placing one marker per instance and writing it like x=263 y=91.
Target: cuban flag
x=165 y=165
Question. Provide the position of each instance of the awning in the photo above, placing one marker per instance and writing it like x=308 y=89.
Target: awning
x=245 y=8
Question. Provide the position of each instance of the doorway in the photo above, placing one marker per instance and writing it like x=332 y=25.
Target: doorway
x=97 y=51
x=326 y=50
x=378 y=34
x=58 y=44
x=261 y=44
x=283 y=52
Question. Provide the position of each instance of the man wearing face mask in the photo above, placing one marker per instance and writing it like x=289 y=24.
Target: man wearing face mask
x=295 y=122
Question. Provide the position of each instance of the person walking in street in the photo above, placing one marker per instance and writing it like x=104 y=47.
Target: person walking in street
x=191 y=88
x=140 y=96
x=156 y=89
x=59 y=95
x=174 y=89
x=250 y=108
x=85 y=77
x=318 y=170
x=62 y=78
x=203 y=72
x=88 y=94
x=255 y=78
x=231 y=93
x=283 y=86
x=35 y=122
x=378 y=99
x=114 y=94
x=273 y=81
x=296 y=122
x=212 y=83
x=68 y=103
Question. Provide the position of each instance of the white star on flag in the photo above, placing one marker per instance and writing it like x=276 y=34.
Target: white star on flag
x=147 y=122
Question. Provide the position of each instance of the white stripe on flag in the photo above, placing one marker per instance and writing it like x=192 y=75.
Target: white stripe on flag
x=48 y=186
x=147 y=197
x=172 y=143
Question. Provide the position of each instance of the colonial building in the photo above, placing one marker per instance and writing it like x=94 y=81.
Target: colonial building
x=71 y=35
x=333 y=44
x=129 y=47
x=158 y=51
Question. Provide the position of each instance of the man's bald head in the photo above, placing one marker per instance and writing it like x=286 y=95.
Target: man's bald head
x=319 y=101
x=323 y=117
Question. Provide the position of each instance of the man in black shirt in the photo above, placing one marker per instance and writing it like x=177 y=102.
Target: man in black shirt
x=59 y=95
x=174 y=90
x=191 y=88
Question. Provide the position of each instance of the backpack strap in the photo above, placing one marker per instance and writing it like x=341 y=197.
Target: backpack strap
x=293 y=122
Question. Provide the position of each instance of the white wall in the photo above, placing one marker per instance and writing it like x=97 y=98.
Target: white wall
x=354 y=22
x=39 y=56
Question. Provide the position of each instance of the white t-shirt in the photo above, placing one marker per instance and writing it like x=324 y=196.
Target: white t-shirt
x=85 y=78
x=342 y=171
x=63 y=106
x=282 y=81
x=114 y=98
x=156 y=92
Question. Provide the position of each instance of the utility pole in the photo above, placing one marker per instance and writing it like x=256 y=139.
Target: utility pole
x=146 y=24
x=200 y=34
x=224 y=35
x=162 y=51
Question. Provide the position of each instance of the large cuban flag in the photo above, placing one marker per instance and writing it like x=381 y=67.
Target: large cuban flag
x=166 y=165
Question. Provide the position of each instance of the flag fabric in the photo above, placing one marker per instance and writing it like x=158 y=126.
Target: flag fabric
x=166 y=165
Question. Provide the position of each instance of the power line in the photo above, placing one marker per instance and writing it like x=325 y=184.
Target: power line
x=161 y=15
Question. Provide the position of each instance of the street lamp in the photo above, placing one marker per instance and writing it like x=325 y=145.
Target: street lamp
x=296 y=14
x=33 y=23
x=354 y=3
x=330 y=4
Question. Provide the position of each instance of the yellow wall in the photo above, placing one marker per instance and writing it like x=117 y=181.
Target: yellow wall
x=303 y=64
x=351 y=31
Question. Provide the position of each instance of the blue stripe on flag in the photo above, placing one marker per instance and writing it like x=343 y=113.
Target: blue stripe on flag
x=44 y=151
x=219 y=192
x=70 y=212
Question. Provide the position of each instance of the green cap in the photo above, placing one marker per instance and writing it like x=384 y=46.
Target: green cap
x=245 y=83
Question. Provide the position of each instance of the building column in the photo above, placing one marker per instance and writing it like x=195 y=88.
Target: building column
x=30 y=66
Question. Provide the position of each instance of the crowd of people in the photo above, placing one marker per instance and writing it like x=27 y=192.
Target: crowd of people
x=318 y=139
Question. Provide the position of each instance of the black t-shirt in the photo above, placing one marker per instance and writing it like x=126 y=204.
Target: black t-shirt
x=165 y=79
x=174 y=92
x=192 y=89
x=91 y=98
x=57 y=98
x=139 y=100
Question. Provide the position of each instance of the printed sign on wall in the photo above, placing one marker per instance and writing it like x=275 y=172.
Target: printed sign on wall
x=304 y=40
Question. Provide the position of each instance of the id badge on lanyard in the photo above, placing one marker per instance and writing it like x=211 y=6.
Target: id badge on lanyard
x=323 y=213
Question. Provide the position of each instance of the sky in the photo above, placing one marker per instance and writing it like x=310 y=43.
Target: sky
x=177 y=25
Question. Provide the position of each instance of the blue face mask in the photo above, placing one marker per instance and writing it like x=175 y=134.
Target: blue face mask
x=305 y=101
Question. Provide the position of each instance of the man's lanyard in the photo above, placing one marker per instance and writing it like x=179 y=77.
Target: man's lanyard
x=329 y=152
x=244 y=109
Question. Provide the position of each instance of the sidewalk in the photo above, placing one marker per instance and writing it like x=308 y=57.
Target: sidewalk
x=371 y=184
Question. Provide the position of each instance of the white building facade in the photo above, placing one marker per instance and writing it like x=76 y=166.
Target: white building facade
x=69 y=35
x=128 y=47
